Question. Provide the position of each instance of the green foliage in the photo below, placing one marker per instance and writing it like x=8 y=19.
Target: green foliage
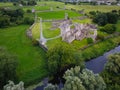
x=61 y=56
x=113 y=64
x=32 y=2
x=104 y=18
x=8 y=65
x=100 y=36
x=112 y=17
x=28 y=20
x=109 y=28
x=111 y=73
x=51 y=87
x=11 y=17
x=78 y=79
x=100 y=19
x=4 y=21
x=89 y=40
x=99 y=48
x=32 y=59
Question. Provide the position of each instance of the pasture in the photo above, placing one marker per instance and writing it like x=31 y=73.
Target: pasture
x=88 y=8
x=32 y=60
x=57 y=14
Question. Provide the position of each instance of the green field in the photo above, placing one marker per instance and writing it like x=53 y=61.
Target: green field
x=31 y=59
x=57 y=14
x=88 y=8
x=6 y=4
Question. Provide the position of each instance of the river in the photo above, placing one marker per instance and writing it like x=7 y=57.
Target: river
x=96 y=65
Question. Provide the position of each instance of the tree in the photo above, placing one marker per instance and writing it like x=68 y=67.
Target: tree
x=113 y=64
x=77 y=79
x=111 y=73
x=61 y=56
x=112 y=17
x=51 y=87
x=100 y=19
x=4 y=21
x=8 y=65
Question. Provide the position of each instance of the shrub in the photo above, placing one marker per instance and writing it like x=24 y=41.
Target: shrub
x=109 y=28
x=28 y=20
x=100 y=19
x=35 y=42
x=100 y=36
x=28 y=11
x=89 y=40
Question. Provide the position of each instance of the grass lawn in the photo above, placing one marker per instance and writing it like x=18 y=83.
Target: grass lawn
x=31 y=59
x=57 y=14
x=49 y=33
x=88 y=8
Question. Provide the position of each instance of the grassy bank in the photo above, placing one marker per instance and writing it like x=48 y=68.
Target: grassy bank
x=99 y=48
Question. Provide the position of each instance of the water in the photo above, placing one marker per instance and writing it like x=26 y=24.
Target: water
x=96 y=65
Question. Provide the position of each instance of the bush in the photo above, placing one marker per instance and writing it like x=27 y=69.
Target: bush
x=35 y=42
x=100 y=36
x=28 y=11
x=28 y=20
x=89 y=40
x=109 y=28
x=100 y=19
x=4 y=21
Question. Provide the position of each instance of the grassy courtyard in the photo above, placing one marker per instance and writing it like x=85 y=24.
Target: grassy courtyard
x=57 y=14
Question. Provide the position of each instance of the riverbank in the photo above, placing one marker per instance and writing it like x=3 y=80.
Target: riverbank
x=97 y=64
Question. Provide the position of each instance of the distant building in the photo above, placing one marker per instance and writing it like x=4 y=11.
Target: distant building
x=107 y=2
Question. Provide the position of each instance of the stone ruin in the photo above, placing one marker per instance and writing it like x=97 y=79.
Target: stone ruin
x=12 y=86
x=75 y=31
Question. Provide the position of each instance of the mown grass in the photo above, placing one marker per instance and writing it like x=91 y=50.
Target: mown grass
x=36 y=31
x=88 y=8
x=57 y=14
x=32 y=60
x=47 y=32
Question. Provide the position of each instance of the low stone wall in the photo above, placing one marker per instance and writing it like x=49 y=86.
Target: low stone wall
x=29 y=34
x=29 y=31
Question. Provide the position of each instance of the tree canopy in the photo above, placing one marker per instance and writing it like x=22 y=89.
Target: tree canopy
x=8 y=65
x=83 y=79
x=61 y=56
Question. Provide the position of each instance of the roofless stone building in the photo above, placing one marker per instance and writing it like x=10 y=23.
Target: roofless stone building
x=75 y=31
